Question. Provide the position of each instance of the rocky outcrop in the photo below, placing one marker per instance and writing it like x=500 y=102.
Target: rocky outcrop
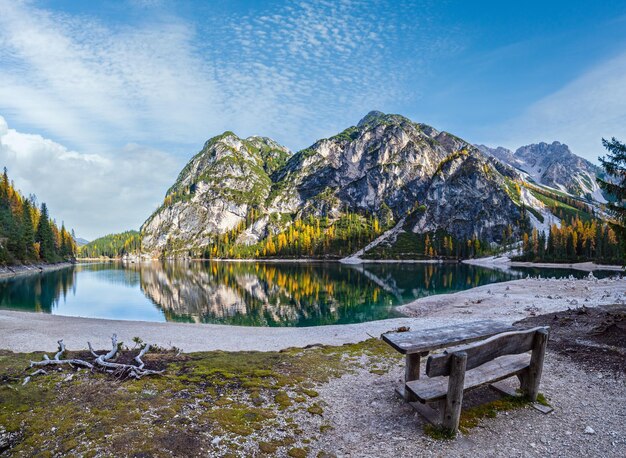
x=467 y=197
x=386 y=165
x=214 y=192
x=553 y=165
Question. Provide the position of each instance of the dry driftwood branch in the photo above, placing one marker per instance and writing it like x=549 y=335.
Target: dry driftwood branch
x=57 y=359
x=104 y=362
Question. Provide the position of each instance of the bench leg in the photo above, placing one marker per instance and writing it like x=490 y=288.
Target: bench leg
x=411 y=372
x=454 y=398
x=532 y=377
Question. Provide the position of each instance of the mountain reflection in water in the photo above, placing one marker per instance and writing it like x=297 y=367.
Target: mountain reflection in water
x=244 y=293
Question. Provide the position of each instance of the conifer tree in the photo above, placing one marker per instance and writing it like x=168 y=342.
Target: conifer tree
x=45 y=236
x=614 y=165
x=28 y=234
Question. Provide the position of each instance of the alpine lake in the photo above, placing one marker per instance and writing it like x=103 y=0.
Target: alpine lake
x=248 y=293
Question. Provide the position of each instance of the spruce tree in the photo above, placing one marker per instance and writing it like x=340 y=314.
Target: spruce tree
x=45 y=237
x=28 y=233
x=614 y=165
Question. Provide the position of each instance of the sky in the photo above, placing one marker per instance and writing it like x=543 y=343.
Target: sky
x=102 y=103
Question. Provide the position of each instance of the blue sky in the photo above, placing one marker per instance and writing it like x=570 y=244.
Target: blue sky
x=103 y=102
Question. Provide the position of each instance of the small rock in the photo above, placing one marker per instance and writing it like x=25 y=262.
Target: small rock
x=216 y=441
x=589 y=430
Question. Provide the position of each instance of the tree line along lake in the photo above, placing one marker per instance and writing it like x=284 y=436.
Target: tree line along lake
x=248 y=293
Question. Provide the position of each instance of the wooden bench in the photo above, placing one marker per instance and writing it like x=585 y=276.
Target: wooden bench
x=417 y=344
x=470 y=366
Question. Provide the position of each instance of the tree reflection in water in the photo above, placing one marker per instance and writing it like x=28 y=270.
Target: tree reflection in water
x=245 y=293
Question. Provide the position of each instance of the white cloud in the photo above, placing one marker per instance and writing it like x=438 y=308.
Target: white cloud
x=78 y=79
x=299 y=71
x=580 y=114
x=91 y=193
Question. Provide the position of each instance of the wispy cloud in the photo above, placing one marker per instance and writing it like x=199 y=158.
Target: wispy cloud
x=161 y=80
x=80 y=80
x=183 y=80
x=580 y=114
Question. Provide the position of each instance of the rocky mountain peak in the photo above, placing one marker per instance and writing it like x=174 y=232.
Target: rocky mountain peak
x=387 y=167
x=554 y=165
x=374 y=118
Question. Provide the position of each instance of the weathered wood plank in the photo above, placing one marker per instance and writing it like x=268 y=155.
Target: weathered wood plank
x=411 y=372
x=454 y=396
x=431 y=389
x=532 y=377
x=500 y=387
x=431 y=415
x=508 y=343
x=504 y=389
x=432 y=339
x=412 y=367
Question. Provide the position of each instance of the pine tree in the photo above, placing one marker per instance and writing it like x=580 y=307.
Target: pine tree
x=615 y=166
x=45 y=237
x=28 y=233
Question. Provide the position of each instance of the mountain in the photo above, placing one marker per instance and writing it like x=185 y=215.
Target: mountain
x=553 y=165
x=389 y=166
x=81 y=241
x=215 y=191
x=336 y=195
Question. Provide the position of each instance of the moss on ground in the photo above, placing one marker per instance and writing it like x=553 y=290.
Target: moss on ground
x=471 y=418
x=211 y=403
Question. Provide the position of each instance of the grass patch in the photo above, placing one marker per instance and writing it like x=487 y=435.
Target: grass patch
x=471 y=418
x=245 y=398
x=315 y=409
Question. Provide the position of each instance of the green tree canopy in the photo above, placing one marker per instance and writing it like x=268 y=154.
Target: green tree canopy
x=614 y=184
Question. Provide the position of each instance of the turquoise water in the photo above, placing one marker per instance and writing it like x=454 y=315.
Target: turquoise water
x=246 y=293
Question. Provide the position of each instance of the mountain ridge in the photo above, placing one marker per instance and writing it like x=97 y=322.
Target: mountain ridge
x=238 y=197
x=553 y=165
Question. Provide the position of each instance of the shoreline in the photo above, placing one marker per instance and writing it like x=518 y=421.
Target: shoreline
x=495 y=262
x=503 y=262
x=505 y=302
x=23 y=270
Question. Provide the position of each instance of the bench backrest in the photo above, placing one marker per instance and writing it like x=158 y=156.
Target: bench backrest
x=478 y=353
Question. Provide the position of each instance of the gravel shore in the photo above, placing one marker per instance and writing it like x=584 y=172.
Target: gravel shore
x=32 y=269
x=369 y=420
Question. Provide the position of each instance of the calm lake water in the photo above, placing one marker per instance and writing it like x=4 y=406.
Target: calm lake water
x=251 y=294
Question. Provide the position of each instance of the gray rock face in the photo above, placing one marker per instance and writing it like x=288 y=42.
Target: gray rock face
x=385 y=163
x=554 y=165
x=467 y=197
x=387 y=166
x=214 y=192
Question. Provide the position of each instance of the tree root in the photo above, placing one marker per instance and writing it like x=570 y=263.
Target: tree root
x=102 y=362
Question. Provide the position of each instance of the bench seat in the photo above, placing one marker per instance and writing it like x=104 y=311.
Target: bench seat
x=436 y=388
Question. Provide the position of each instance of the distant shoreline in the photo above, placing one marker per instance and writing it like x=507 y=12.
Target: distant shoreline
x=505 y=302
x=503 y=262
x=33 y=269
x=491 y=262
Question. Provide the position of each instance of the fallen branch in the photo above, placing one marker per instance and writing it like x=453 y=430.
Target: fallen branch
x=57 y=359
x=123 y=370
x=104 y=362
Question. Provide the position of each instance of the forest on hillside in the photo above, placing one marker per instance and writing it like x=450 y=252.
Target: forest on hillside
x=112 y=245
x=27 y=233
